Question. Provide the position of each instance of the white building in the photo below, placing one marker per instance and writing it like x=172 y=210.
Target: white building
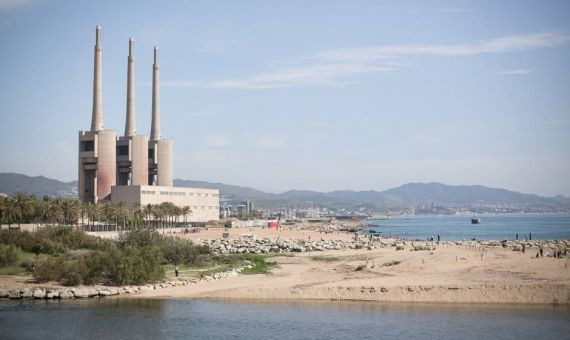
x=204 y=203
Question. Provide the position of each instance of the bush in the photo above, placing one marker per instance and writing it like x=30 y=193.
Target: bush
x=8 y=255
x=48 y=269
x=177 y=251
x=48 y=247
x=139 y=237
x=135 y=266
x=53 y=240
x=260 y=265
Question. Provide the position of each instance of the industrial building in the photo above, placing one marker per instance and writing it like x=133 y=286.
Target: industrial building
x=133 y=168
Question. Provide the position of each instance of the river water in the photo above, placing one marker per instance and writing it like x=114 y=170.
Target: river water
x=492 y=227
x=190 y=319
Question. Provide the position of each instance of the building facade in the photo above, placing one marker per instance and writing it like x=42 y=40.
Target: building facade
x=132 y=168
x=204 y=203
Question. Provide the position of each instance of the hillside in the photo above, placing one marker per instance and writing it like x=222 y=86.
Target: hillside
x=407 y=195
x=11 y=183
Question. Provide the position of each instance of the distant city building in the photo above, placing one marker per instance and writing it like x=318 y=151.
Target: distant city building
x=132 y=168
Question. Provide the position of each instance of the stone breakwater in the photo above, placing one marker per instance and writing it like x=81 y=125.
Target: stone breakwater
x=247 y=245
x=39 y=293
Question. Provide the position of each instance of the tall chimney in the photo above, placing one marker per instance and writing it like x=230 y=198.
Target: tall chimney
x=155 y=127
x=130 y=125
x=97 y=115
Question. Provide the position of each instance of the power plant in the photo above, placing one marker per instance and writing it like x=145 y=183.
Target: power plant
x=133 y=168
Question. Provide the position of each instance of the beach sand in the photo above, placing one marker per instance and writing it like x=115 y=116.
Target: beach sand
x=450 y=274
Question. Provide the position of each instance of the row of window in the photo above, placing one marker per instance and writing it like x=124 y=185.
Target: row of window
x=175 y=193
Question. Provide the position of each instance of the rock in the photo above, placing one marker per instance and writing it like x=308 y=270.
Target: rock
x=27 y=293
x=66 y=294
x=4 y=293
x=81 y=293
x=105 y=292
x=53 y=294
x=14 y=294
x=39 y=294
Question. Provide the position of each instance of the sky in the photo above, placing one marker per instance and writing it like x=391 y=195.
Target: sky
x=314 y=95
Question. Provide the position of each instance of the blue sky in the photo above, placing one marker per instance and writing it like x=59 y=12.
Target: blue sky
x=318 y=95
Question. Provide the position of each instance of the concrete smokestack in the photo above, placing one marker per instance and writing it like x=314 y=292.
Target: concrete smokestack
x=97 y=115
x=155 y=127
x=130 y=125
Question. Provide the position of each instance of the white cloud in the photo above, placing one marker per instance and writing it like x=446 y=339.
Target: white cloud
x=513 y=43
x=441 y=10
x=8 y=5
x=515 y=72
x=338 y=67
x=216 y=141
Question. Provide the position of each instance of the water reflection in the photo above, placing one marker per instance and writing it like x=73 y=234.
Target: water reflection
x=183 y=319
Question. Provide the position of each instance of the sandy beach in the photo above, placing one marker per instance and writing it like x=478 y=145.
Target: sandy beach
x=451 y=274
x=446 y=273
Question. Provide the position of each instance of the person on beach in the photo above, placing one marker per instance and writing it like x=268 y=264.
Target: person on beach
x=438 y=238
x=530 y=236
x=517 y=237
x=176 y=271
x=541 y=252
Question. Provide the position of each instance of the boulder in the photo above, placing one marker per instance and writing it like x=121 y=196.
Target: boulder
x=66 y=294
x=27 y=293
x=81 y=293
x=105 y=292
x=39 y=294
x=4 y=293
x=53 y=294
x=14 y=294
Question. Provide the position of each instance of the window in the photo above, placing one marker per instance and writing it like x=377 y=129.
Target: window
x=122 y=150
x=151 y=154
x=87 y=145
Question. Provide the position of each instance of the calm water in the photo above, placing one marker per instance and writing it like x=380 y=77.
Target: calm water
x=492 y=227
x=183 y=319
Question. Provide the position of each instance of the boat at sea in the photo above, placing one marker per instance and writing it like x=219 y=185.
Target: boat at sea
x=475 y=220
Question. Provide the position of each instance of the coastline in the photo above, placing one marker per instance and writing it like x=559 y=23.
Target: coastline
x=502 y=277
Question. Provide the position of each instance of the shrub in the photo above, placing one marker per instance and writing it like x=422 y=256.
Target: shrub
x=48 y=269
x=8 y=255
x=139 y=237
x=177 y=251
x=260 y=264
x=53 y=240
x=399 y=247
x=134 y=266
x=47 y=246
x=360 y=267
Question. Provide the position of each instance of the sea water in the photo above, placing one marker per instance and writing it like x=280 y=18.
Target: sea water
x=189 y=319
x=492 y=227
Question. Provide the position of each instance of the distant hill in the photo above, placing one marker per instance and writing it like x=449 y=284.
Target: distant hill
x=407 y=195
x=40 y=186
x=231 y=190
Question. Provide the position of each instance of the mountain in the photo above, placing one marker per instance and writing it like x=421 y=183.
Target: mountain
x=405 y=196
x=226 y=189
x=11 y=183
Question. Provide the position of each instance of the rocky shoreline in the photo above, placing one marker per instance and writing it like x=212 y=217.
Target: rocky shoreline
x=248 y=245
x=39 y=293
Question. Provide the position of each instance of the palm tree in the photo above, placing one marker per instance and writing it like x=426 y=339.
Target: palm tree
x=22 y=204
x=186 y=210
x=2 y=204
x=10 y=212
x=147 y=211
x=82 y=212
x=70 y=211
x=121 y=213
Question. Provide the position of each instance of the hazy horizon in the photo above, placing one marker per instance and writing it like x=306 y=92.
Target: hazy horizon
x=321 y=96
